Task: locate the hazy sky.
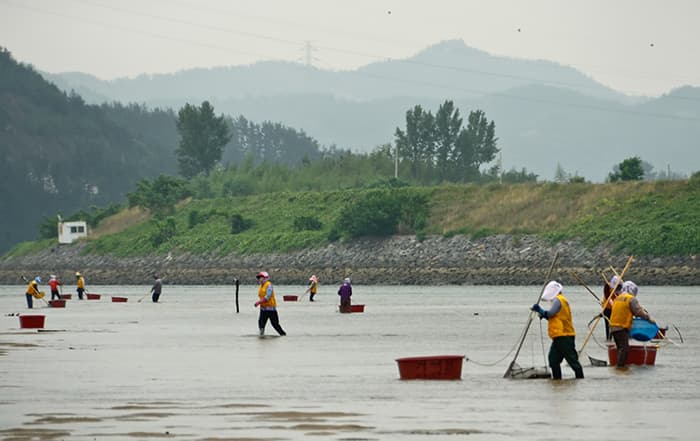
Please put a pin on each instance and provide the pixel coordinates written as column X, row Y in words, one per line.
column 635, row 46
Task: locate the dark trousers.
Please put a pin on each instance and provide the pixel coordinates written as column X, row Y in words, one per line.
column 80, row 293
column 606, row 319
column 30, row 301
column 266, row 314
column 564, row 348
column 155, row 297
column 345, row 305
column 622, row 342
column 55, row 294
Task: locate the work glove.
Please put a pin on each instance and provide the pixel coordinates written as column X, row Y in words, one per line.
column 257, row 303
column 538, row 309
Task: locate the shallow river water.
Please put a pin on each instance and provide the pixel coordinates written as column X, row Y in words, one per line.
column 191, row 368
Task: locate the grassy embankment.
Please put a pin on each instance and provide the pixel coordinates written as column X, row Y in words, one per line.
column 644, row 218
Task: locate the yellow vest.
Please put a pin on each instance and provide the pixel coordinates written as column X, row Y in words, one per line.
column 33, row 288
column 81, row 282
column 621, row 315
column 561, row 324
column 313, row 288
column 262, row 291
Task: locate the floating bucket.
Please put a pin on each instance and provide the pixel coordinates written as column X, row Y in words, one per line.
column 119, row 299
column 66, row 296
column 357, row 308
column 641, row 355
column 437, row 367
column 290, row 298
column 93, row 296
column 57, row 303
column 31, row 321
column 643, row 330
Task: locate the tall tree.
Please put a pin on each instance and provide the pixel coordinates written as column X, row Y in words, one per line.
column 476, row 145
column 203, row 136
column 628, row 170
column 448, row 123
column 417, row 143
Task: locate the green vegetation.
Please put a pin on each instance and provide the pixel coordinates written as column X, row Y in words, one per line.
column 628, row 170
column 61, row 154
column 662, row 221
column 641, row 218
column 203, row 136
column 159, row 196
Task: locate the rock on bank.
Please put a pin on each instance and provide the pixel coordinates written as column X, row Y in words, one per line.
column 436, row 260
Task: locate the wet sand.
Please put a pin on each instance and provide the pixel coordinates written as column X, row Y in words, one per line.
column 190, row 368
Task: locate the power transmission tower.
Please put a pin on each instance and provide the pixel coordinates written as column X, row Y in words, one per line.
column 308, row 57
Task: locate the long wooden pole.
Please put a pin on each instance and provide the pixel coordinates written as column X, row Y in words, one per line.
column 582, row 283
column 597, row 319
column 530, row 317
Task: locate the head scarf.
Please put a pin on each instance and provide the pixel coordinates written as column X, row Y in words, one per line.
column 551, row 290
column 346, row 280
column 630, row 287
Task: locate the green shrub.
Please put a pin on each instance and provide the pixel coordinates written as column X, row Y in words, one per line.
column 239, row 224
column 160, row 195
column 694, row 180
column 165, row 230
column 307, row 223
column 381, row 212
column 483, row 232
column 194, row 218
column 238, row 187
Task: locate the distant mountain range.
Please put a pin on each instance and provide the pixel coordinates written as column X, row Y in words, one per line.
column 545, row 113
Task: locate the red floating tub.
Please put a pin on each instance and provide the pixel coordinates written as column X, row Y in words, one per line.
column 93, row 296
column 66, row 296
column 290, row 298
column 119, row 299
column 641, row 355
column 57, row 303
column 436, row 367
column 31, row 321
column 357, row 308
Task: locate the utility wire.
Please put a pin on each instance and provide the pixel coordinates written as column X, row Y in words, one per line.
column 227, row 49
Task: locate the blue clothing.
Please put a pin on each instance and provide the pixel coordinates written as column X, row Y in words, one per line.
column 556, row 307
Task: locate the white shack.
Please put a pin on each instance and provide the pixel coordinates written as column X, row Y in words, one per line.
column 71, row 231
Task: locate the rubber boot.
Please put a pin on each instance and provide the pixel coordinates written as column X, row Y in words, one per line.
column 579, row 372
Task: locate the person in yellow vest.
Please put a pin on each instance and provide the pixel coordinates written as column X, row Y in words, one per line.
column 268, row 304
column 561, row 330
column 313, row 287
column 32, row 290
column 624, row 308
column 80, row 283
column 611, row 290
